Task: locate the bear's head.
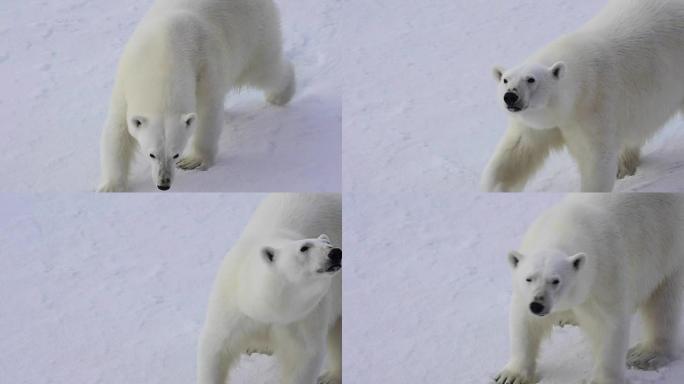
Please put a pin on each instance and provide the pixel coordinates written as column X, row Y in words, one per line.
column 526, row 92
column 162, row 140
column 303, row 261
column 550, row 281
column 287, row 278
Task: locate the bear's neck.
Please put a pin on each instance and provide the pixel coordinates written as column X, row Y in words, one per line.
column 271, row 299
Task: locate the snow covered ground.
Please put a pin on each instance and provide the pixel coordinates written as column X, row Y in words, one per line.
column 420, row 110
column 113, row 289
column 427, row 290
column 57, row 65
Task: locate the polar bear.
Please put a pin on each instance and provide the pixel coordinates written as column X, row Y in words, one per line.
column 602, row 92
column 279, row 291
column 176, row 69
column 593, row 260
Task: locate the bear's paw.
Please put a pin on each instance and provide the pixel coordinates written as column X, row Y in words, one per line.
column 259, row 351
column 646, row 357
column 330, row 378
column 191, row 162
column 111, row 187
column 512, row 377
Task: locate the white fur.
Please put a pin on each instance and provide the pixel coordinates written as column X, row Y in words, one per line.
column 176, row 69
column 593, row 260
column 621, row 78
column 288, row 307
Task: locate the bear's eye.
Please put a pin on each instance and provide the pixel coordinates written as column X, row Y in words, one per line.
column 555, row 281
column 175, row 156
column 305, row 248
column 505, row 81
column 529, row 279
column 153, row 156
column 531, row 80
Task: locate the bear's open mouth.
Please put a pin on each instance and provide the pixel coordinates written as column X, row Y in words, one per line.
column 514, row 109
column 331, row 268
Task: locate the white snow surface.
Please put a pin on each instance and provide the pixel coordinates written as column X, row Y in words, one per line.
column 113, row 289
column 426, row 294
column 57, row 68
column 420, row 109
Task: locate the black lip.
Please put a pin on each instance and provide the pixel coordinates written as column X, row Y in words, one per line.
column 541, row 314
column 334, row 268
column 514, row 109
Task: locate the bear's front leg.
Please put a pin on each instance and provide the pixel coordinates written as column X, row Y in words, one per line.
column 527, row 333
column 610, row 342
column 300, row 350
column 598, row 171
column 333, row 375
column 220, row 345
column 204, row 143
column 116, row 153
column 660, row 315
column 214, row 359
column 596, row 155
column 518, row 156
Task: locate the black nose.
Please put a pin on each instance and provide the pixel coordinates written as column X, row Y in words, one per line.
column 510, row 98
column 536, row 308
column 335, row 255
column 164, row 187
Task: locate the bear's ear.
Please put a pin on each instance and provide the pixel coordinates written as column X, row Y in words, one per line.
column 138, row 121
column 578, row 261
column 558, row 70
column 514, row 258
column 324, row 237
column 268, row 254
column 498, row 73
column 189, row 119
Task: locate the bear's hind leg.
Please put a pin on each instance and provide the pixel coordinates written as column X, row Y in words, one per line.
column 333, row 375
column 286, row 86
column 629, row 161
column 660, row 315
column 277, row 80
column 519, row 154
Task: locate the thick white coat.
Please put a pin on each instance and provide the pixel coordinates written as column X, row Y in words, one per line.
column 621, row 79
column 286, row 308
column 593, row 260
column 175, row 71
